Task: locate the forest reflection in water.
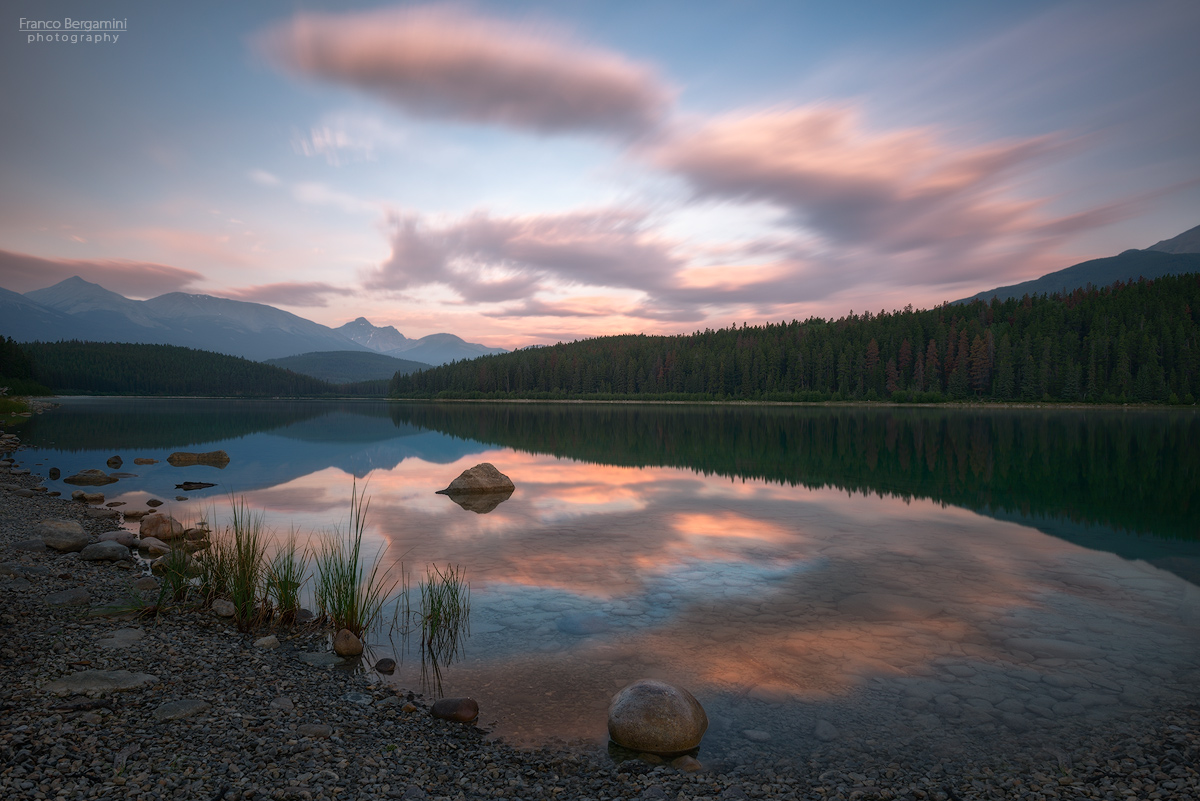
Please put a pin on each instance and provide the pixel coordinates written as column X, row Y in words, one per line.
column 787, row 565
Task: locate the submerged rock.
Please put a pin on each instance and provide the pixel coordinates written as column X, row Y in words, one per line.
column 115, row 462
column 461, row 710
column 655, row 717
column 90, row 478
column 145, row 461
column 482, row 477
column 211, row 458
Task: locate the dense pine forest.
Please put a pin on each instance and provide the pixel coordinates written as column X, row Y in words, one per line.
column 16, row 370
column 112, row 368
column 1130, row 342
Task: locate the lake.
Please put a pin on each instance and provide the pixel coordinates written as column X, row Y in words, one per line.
column 907, row 580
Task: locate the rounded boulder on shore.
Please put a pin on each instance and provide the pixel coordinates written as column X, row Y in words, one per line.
column 657, row 718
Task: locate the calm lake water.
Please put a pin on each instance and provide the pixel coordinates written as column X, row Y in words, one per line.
column 921, row 579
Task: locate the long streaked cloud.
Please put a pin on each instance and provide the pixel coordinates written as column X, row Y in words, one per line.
column 288, row 293
column 894, row 191
column 22, row 272
column 452, row 64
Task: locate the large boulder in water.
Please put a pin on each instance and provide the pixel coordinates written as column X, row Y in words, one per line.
column 655, row 717
column 211, row 458
column 479, row 479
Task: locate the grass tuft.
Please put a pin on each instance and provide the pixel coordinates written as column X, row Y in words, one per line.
column 247, row 566
column 350, row 595
column 286, row 574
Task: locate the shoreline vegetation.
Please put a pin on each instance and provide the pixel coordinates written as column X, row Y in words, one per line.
column 215, row 713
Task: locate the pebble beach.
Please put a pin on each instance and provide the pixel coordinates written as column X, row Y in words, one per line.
column 206, row 712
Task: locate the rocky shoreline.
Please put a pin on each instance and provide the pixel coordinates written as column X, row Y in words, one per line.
column 218, row 716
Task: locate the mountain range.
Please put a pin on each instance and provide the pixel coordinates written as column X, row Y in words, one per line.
column 79, row 309
column 1175, row 256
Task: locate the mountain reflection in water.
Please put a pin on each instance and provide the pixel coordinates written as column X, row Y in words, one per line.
column 884, row 570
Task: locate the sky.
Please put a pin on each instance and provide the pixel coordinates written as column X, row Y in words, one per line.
column 530, row 172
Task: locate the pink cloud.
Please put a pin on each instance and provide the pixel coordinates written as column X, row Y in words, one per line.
column 138, row 279
column 449, row 63
column 895, row 192
column 486, row 258
column 288, row 293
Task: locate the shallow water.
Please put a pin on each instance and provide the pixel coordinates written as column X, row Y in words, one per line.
column 789, row 567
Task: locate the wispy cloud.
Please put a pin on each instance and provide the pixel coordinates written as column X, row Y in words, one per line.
column 288, row 293
column 136, row 279
column 348, row 138
column 449, row 63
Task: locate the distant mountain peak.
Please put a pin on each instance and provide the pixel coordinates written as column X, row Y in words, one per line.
column 378, row 338
column 1187, row 242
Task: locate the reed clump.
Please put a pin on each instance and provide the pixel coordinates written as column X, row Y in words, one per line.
column 285, row 576
column 349, row 594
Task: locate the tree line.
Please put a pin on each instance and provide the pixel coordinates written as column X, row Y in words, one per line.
column 120, row 368
column 1128, row 342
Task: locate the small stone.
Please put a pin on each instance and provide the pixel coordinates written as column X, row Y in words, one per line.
column 756, row 735
column 319, row 660
column 223, row 608
column 108, row 551
column 102, row 514
column 121, row 638
column 115, row 462
column 361, row 699
column 153, row 545
column 413, row 793
column 35, row 545
column 284, row 703
column 181, row 497
column 145, row 461
column 461, row 710
column 177, row 710
column 54, row 474
column 409, row 708
column 74, row 597
column 269, row 642
column 825, row 731
column 126, row 538
column 100, row 681
column 146, row 584
column 345, row 643
column 386, row 665
column 688, row 764
column 319, row 731
column 154, row 502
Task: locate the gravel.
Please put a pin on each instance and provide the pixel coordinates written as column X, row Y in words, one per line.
column 228, row 718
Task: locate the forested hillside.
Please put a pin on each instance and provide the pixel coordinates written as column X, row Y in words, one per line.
column 1134, row 342
column 16, row 370
column 112, row 368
